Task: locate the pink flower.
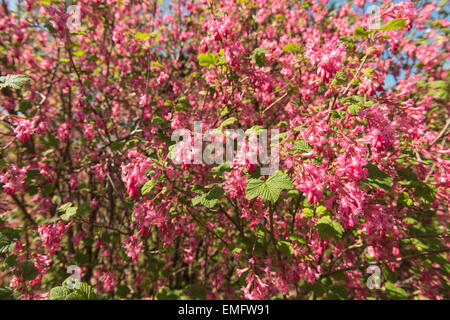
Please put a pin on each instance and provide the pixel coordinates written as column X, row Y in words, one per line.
column 328, row 59
column 24, row 129
column 89, row 131
column 64, row 131
column 133, row 174
column 51, row 235
column 133, row 246
column 109, row 281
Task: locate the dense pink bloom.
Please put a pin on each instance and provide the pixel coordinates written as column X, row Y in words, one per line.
column 363, row 158
column 133, row 246
column 51, row 235
column 109, row 281
column 328, row 59
column 24, row 129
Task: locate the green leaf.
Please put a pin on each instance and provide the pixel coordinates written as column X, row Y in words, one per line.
column 298, row 238
column 352, row 100
column 394, row 24
column 338, row 114
column 308, row 212
column 15, row 81
column 24, row 106
column 221, row 169
column 212, row 197
column 329, row 228
column 319, row 287
column 32, row 190
column 292, row 47
column 270, row 189
column 147, row 187
column 321, row 210
column 75, row 295
column 122, row 291
column 6, row 293
column 444, row 265
column 228, row 122
column 69, row 213
column 259, row 56
column 79, row 53
column 28, row 270
column 51, row 141
column 337, row 292
column 404, row 200
column 11, row 260
column 64, row 207
column 87, row 291
column 253, row 130
column 360, row 32
column 285, row 247
column 377, row 178
column 389, row 275
column 407, row 174
column 157, row 63
column 198, row 200
column 198, row 293
column 353, row 109
column 7, row 242
column 300, row 146
column 84, row 292
column 394, row 292
column 58, row 293
column 426, row 192
column 144, row 36
column 84, row 209
column 50, row 27
column 220, row 231
column 170, row 294
column 209, row 199
column 258, row 187
column 280, row 180
column 207, row 59
column 117, row 145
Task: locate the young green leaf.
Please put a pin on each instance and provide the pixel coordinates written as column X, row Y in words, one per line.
column 394, row 24
column 377, row 178
column 13, row 81
column 329, row 228
column 207, row 59
column 147, row 187
column 360, row 32
column 259, row 56
column 292, row 47
column 270, row 189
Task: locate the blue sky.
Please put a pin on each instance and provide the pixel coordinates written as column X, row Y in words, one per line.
column 389, row 81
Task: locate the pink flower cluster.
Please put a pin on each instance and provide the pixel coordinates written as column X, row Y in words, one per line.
column 51, row 234
column 24, row 128
column 134, row 172
column 329, row 58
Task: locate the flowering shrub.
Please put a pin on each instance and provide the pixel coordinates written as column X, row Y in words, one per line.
column 88, row 179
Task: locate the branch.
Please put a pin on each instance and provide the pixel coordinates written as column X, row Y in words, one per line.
column 24, row 209
column 442, row 133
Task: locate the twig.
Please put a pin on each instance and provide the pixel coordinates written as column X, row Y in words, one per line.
column 433, row 167
column 442, row 133
column 276, row 101
column 346, row 88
